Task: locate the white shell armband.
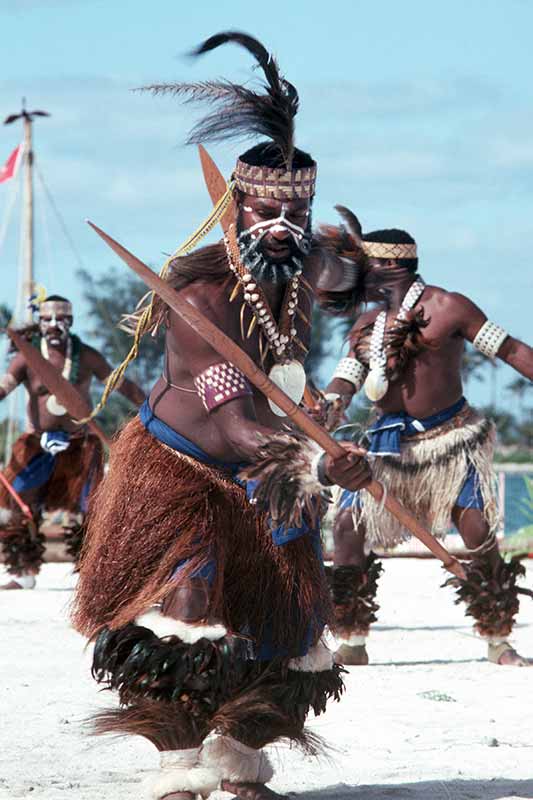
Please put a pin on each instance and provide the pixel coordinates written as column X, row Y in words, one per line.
column 350, row 369
column 489, row 339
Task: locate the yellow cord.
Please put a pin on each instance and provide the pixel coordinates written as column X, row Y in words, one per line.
column 145, row 319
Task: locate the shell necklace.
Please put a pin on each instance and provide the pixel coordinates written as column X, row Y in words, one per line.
column 377, row 383
column 287, row 372
column 52, row 405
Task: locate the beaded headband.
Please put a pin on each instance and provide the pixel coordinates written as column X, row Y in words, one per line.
column 56, row 307
column 386, row 250
column 279, row 183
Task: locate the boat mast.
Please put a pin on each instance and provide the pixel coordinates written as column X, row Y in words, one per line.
column 27, row 277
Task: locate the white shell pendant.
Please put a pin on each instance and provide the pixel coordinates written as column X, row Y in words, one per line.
column 54, row 407
column 290, row 378
column 376, row 384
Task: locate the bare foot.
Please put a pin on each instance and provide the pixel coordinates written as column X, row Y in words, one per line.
column 11, row 585
column 352, row 655
column 251, row 791
column 505, row 655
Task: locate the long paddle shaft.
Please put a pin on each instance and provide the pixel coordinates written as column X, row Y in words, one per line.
column 231, row 351
column 16, row 497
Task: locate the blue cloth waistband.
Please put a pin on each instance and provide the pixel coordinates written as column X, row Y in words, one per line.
column 386, row 434
column 164, row 433
column 39, row 470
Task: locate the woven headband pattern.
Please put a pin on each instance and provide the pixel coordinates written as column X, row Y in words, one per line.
column 386, row 250
column 281, row 184
column 56, row 307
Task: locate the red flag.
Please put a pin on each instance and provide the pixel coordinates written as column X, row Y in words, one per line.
column 10, row 167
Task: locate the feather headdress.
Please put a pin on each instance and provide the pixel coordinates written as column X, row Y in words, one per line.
column 274, row 168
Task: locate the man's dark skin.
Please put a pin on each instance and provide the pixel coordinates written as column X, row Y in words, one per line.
column 230, row 432
column 430, row 383
column 92, row 364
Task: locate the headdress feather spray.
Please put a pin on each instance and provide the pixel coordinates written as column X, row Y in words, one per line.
column 239, row 111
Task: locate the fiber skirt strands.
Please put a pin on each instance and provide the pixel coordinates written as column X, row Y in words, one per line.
column 428, row 477
column 73, row 468
column 156, row 508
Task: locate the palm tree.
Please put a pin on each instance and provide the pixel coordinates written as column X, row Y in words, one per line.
column 519, row 388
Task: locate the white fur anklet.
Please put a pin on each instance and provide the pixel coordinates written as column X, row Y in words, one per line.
column 235, row 761
column 24, row 581
column 318, row 659
column 354, row 640
column 180, row 772
column 6, row 516
column 495, row 640
column 188, row 632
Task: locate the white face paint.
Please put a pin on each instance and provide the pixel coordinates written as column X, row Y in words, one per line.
column 55, row 329
column 276, row 225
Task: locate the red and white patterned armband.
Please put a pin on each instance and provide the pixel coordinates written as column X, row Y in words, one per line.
column 221, row 383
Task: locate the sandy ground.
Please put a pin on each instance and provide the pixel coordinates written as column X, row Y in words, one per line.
column 428, row 719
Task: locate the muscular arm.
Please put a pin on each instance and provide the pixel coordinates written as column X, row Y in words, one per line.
column 14, row 375
column 346, row 388
column 512, row 351
column 102, row 370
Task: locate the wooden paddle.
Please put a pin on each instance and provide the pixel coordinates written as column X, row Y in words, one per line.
column 67, row 394
column 231, row 351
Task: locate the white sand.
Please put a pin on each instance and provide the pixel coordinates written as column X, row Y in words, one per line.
column 428, row 719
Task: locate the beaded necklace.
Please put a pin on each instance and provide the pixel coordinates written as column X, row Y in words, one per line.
column 377, row 383
column 287, row 372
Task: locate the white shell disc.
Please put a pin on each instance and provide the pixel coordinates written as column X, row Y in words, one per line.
column 376, row 384
column 290, row 378
column 54, row 407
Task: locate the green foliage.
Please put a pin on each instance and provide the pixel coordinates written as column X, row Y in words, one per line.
column 327, row 336
column 473, row 364
column 522, row 541
column 6, row 315
column 107, row 299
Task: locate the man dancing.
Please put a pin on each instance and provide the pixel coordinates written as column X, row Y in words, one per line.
column 428, row 446
column 57, row 463
column 207, row 614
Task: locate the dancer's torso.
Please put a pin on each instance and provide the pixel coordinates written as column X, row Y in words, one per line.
column 431, row 379
column 182, row 408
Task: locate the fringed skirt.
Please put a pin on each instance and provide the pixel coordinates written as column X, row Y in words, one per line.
column 429, row 476
column 76, row 471
column 158, row 508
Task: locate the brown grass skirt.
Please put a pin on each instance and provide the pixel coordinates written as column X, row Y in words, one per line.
column 72, row 469
column 157, row 507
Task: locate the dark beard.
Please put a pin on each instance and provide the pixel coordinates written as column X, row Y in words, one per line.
column 265, row 269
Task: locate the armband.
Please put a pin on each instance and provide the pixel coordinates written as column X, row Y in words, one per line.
column 221, row 383
column 489, row 339
column 8, row 383
column 350, row 369
column 318, row 469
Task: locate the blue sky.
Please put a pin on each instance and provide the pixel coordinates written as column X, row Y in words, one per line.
column 419, row 115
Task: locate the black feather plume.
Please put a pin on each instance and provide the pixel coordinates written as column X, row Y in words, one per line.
column 354, row 226
column 238, row 111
